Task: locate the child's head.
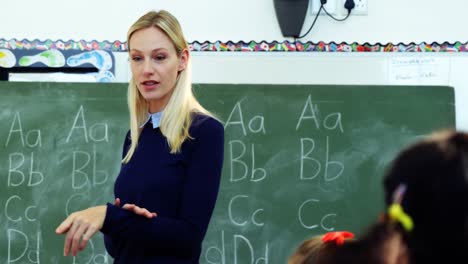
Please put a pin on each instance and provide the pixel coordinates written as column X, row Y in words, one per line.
column 435, row 175
column 306, row 251
column 317, row 248
column 382, row 243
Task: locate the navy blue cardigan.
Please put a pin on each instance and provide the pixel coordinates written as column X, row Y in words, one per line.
column 181, row 188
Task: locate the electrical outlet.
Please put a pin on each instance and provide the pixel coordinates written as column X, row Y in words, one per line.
column 360, row 8
column 330, row 6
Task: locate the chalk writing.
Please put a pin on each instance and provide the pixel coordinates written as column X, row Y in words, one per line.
column 256, row 175
column 256, row 124
column 31, row 139
column 80, row 178
column 331, row 121
column 27, row 211
column 18, row 240
column 254, row 216
column 97, row 132
column 311, row 224
column 240, row 245
column 15, row 170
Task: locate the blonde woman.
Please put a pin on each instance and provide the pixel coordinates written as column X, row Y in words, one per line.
column 172, row 158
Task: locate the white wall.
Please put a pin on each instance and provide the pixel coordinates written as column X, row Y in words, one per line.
column 388, row 20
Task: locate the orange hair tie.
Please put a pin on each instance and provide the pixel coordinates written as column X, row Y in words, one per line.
column 338, row 237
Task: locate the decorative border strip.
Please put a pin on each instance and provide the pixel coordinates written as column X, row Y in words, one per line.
column 287, row 46
column 80, row 45
column 252, row 46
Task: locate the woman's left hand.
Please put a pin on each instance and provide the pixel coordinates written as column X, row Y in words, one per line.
column 136, row 209
column 80, row 227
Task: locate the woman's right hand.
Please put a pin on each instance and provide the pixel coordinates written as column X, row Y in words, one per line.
column 80, row 227
column 136, row 209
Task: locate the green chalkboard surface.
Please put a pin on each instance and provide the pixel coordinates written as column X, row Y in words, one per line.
column 300, row 160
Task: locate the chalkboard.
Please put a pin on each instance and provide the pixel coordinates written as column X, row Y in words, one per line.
column 300, row 160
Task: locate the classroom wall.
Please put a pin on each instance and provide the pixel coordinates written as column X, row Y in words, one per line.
column 387, row 21
column 244, row 20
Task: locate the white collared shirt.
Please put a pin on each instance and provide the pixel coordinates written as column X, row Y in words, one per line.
column 155, row 119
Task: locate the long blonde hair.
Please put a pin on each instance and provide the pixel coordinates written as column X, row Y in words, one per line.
column 176, row 118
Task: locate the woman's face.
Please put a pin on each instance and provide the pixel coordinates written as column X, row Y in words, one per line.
column 155, row 66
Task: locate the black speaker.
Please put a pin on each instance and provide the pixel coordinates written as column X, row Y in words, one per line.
column 291, row 15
